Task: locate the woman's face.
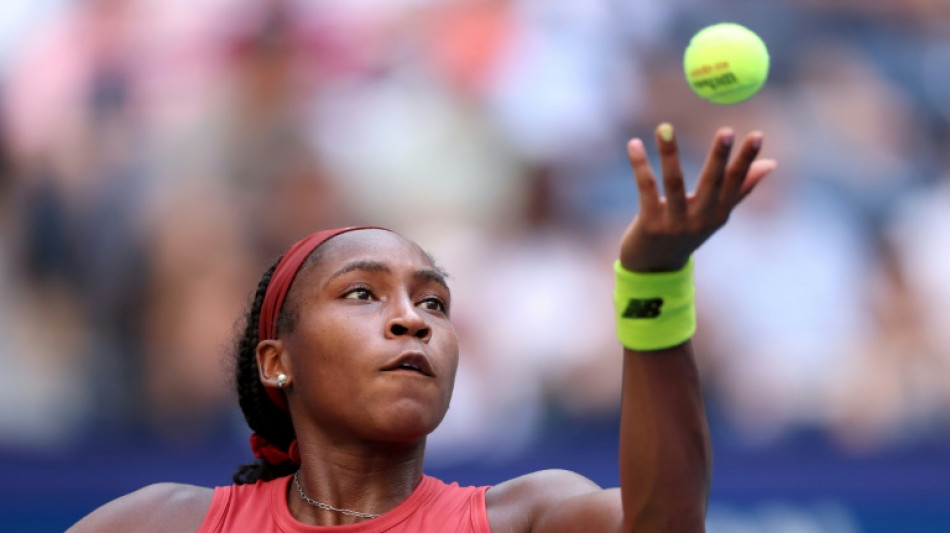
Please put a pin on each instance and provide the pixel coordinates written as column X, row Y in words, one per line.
column 372, row 353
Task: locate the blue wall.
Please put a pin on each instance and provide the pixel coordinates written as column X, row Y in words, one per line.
column 801, row 478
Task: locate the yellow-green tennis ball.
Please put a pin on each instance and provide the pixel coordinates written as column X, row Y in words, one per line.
column 726, row 63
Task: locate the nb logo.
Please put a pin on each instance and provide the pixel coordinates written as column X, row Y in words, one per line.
column 648, row 308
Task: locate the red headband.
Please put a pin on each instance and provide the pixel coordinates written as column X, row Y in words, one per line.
column 280, row 282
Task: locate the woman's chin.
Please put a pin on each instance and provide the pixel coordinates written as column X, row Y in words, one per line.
column 408, row 425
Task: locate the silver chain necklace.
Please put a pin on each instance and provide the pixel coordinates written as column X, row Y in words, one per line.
column 326, row 506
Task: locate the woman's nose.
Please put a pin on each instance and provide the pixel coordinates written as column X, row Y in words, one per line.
column 407, row 320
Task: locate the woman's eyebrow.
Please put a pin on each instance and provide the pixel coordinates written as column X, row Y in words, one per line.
column 425, row 274
column 369, row 266
column 428, row 274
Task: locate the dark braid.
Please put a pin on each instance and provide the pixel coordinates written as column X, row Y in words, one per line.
column 263, row 417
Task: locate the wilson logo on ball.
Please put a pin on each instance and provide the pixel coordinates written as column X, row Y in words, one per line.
column 716, row 82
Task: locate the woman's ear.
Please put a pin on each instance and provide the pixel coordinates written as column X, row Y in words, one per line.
column 271, row 364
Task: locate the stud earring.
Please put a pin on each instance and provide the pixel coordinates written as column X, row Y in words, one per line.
column 282, row 380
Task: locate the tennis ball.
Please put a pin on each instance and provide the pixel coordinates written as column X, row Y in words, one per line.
column 726, row 63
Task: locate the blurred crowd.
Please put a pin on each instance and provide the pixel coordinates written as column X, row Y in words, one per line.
column 156, row 156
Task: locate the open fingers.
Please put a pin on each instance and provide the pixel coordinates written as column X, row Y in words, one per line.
column 646, row 182
column 673, row 184
column 722, row 184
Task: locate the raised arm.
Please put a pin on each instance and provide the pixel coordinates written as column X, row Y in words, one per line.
column 665, row 456
column 665, row 453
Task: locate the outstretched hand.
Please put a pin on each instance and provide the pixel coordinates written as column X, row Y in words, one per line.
column 667, row 230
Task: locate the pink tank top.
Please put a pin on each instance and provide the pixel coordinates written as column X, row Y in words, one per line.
column 433, row 506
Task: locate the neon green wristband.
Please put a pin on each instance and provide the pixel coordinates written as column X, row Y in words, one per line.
column 655, row 310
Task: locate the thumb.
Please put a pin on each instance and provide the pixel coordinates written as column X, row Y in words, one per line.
column 757, row 172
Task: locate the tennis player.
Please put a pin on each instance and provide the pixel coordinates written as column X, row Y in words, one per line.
column 348, row 360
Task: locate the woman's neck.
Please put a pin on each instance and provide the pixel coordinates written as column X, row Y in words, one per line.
column 369, row 479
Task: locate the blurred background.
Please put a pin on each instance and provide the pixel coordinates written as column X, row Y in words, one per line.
column 156, row 156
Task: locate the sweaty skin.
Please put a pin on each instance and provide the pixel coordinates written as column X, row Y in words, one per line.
column 374, row 297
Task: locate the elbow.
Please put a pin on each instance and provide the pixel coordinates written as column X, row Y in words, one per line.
column 668, row 519
column 675, row 503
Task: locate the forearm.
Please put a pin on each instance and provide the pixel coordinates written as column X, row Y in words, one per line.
column 665, row 452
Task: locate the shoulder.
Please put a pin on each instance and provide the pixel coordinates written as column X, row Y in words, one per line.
column 541, row 485
column 155, row 508
column 552, row 501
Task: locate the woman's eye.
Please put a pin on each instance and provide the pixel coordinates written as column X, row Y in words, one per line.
column 433, row 304
column 358, row 294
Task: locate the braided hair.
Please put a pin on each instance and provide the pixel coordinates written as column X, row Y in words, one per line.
column 263, row 417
